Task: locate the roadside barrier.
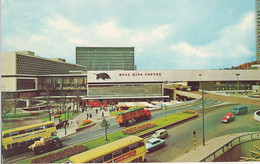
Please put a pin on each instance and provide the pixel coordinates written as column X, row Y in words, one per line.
column 230, row 144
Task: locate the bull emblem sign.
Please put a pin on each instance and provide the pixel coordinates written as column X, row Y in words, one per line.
column 102, row 76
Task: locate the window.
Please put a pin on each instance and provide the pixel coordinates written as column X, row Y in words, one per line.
column 50, row 125
column 22, row 132
column 14, row 133
column 140, row 144
column 15, row 145
column 98, row 160
column 23, row 144
column 116, row 153
column 125, row 150
column 36, row 128
column 132, row 147
column 107, row 157
column 6, row 135
column 28, row 130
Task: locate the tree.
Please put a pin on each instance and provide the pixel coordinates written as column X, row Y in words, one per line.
column 105, row 125
column 48, row 88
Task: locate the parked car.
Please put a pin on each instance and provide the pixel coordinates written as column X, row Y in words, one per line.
column 162, row 133
column 154, row 143
column 228, row 117
column 242, row 109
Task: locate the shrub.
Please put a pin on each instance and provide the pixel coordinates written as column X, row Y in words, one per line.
column 56, row 116
column 60, row 112
column 34, row 113
column 86, row 121
column 60, row 154
column 138, row 128
column 189, row 111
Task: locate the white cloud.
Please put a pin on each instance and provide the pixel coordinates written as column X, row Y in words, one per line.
column 230, row 49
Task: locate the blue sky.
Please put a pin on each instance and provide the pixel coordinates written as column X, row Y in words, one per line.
column 166, row 34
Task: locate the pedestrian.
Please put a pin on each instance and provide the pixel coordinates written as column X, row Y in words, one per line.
column 96, row 111
column 90, row 115
column 103, row 113
column 87, row 115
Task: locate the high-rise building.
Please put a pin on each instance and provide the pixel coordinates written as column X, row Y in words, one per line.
column 257, row 12
column 106, row 58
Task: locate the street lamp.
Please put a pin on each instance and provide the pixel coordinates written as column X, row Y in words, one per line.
column 202, row 101
column 237, row 88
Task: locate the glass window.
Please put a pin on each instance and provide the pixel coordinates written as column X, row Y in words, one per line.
column 6, row 135
column 140, row 144
column 36, row 128
column 14, row 133
column 22, row 132
column 116, row 153
column 132, row 147
column 50, row 125
column 98, row 160
column 28, row 130
column 125, row 150
column 15, row 145
column 107, row 157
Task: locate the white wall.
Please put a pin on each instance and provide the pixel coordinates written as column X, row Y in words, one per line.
column 8, row 63
column 8, row 84
column 176, row 75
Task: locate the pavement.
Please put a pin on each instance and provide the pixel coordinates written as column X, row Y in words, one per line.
column 203, row 151
column 73, row 123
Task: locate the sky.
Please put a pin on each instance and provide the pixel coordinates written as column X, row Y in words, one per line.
column 166, row 34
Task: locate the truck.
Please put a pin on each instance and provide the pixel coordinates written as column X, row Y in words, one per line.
column 46, row 145
column 130, row 116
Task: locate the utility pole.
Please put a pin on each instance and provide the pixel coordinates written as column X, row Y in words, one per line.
column 202, row 104
column 237, row 88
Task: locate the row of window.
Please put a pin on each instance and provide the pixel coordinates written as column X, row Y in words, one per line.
column 27, row 130
column 23, row 143
column 118, row 153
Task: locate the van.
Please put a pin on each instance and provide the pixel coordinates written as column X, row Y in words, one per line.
column 162, row 133
column 242, row 109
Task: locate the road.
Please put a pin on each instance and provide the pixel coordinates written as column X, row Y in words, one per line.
column 179, row 141
column 180, row 138
column 97, row 131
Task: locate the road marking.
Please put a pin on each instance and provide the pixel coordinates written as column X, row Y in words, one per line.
column 18, row 159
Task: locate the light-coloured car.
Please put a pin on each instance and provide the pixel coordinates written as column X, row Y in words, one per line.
column 162, row 133
column 154, row 143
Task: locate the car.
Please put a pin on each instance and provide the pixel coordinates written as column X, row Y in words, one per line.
column 154, row 143
column 228, row 117
column 242, row 109
column 162, row 133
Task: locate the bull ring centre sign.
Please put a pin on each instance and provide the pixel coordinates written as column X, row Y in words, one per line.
column 124, row 76
column 139, row 74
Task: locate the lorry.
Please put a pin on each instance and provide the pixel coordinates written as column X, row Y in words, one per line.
column 133, row 115
column 46, row 145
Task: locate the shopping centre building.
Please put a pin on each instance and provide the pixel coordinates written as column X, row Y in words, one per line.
column 25, row 75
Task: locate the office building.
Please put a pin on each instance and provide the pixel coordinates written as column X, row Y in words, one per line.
column 106, row 58
column 257, row 12
column 23, row 75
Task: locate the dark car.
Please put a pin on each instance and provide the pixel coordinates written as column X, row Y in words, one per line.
column 228, row 117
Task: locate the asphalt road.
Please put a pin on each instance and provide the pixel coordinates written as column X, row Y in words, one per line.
column 97, row 131
column 180, row 138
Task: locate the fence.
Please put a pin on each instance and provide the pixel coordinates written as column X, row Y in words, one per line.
column 230, row 144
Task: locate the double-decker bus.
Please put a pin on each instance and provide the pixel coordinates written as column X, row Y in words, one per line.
column 128, row 149
column 18, row 139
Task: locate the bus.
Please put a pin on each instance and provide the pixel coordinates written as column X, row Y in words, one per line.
column 128, row 149
column 18, row 139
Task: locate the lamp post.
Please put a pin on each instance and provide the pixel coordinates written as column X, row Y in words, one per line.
column 237, row 88
column 202, row 104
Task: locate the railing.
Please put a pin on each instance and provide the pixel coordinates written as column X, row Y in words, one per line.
column 230, row 144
